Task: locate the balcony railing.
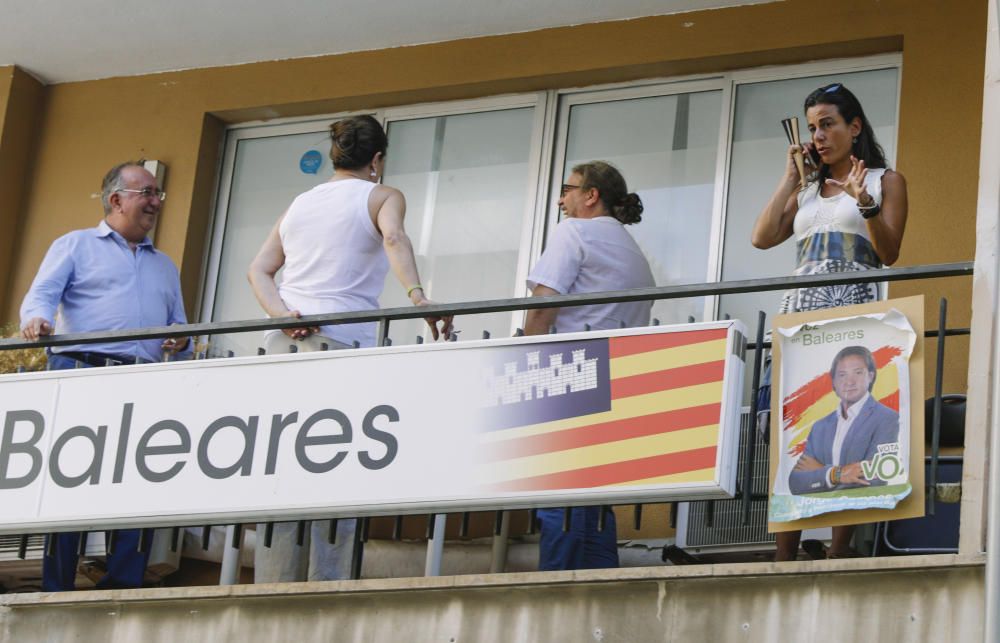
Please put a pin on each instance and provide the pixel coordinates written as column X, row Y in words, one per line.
column 748, row 484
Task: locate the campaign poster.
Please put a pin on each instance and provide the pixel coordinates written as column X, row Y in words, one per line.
column 847, row 414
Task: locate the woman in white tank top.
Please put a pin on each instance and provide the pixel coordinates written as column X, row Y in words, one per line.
column 850, row 216
column 336, row 243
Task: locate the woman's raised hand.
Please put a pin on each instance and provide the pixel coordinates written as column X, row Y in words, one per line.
column 854, row 184
column 791, row 170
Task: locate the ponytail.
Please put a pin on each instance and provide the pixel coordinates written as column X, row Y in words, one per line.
column 610, row 185
column 630, row 209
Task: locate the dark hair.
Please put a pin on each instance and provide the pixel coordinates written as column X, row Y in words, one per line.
column 356, row 141
column 610, row 185
column 861, row 352
column 865, row 147
column 113, row 182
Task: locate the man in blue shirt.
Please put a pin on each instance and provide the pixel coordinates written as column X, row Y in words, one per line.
column 107, row 278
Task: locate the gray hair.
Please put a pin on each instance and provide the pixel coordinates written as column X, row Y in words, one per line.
column 113, row 182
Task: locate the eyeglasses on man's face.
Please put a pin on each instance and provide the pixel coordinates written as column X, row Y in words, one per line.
column 566, row 187
column 147, row 193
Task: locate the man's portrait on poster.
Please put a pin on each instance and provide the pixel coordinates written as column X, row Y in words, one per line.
column 841, row 444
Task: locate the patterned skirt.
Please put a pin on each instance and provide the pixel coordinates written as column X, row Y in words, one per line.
column 832, row 252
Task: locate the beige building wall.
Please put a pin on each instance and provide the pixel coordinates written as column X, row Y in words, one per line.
column 179, row 117
column 21, row 101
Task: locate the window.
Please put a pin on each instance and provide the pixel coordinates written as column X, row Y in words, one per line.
column 262, row 166
column 467, row 178
column 482, row 178
column 757, row 159
column 667, row 147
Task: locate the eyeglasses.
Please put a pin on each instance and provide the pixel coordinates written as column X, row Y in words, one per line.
column 147, row 193
column 566, row 187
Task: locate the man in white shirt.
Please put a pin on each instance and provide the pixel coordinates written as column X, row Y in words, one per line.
column 839, row 443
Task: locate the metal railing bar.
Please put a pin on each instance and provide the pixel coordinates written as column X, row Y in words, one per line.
column 957, row 269
column 758, row 362
column 936, row 419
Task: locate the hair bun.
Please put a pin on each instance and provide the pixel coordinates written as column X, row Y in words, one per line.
column 345, row 139
column 355, row 141
column 631, row 209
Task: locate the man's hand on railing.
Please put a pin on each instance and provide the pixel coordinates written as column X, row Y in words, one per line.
column 35, row 328
column 175, row 344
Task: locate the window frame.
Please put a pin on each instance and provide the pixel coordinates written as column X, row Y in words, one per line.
column 789, row 72
column 596, row 95
column 537, row 100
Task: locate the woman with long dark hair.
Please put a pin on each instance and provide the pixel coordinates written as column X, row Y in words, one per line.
column 850, row 216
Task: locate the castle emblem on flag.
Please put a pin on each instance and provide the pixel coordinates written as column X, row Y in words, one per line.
column 515, row 386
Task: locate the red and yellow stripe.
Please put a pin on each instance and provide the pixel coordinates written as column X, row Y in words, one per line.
column 662, row 427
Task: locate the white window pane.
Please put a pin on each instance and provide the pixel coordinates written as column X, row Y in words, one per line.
column 758, row 161
column 465, row 178
column 266, row 177
column 666, row 148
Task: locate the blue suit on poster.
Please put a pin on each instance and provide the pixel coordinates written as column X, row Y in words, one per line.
column 875, row 424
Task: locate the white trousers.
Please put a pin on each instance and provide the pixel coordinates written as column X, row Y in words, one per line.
column 316, row 559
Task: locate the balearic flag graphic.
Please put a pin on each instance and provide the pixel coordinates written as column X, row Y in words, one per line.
column 661, row 423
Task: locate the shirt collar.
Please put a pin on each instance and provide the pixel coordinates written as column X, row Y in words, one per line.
column 104, row 230
column 854, row 409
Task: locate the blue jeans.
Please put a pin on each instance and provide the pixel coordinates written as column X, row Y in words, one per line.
column 126, row 565
column 582, row 546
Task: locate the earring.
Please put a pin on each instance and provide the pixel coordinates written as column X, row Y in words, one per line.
column 855, row 140
column 373, row 171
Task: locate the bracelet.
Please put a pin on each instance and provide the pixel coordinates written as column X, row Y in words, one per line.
column 409, row 291
column 835, row 476
column 870, row 211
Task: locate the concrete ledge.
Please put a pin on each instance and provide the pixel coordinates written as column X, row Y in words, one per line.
column 919, row 598
column 494, row 581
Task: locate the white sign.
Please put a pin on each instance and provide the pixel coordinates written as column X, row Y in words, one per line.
column 635, row 415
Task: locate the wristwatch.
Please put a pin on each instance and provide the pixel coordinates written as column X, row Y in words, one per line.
column 869, row 211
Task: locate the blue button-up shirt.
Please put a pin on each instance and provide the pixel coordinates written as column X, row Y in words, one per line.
column 102, row 285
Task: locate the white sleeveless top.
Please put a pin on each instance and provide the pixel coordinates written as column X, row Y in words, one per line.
column 832, row 236
column 837, row 213
column 334, row 260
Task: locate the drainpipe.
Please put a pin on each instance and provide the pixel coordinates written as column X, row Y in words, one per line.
column 991, row 101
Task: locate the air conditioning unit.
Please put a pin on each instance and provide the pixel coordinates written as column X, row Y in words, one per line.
column 716, row 526
column 24, row 575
